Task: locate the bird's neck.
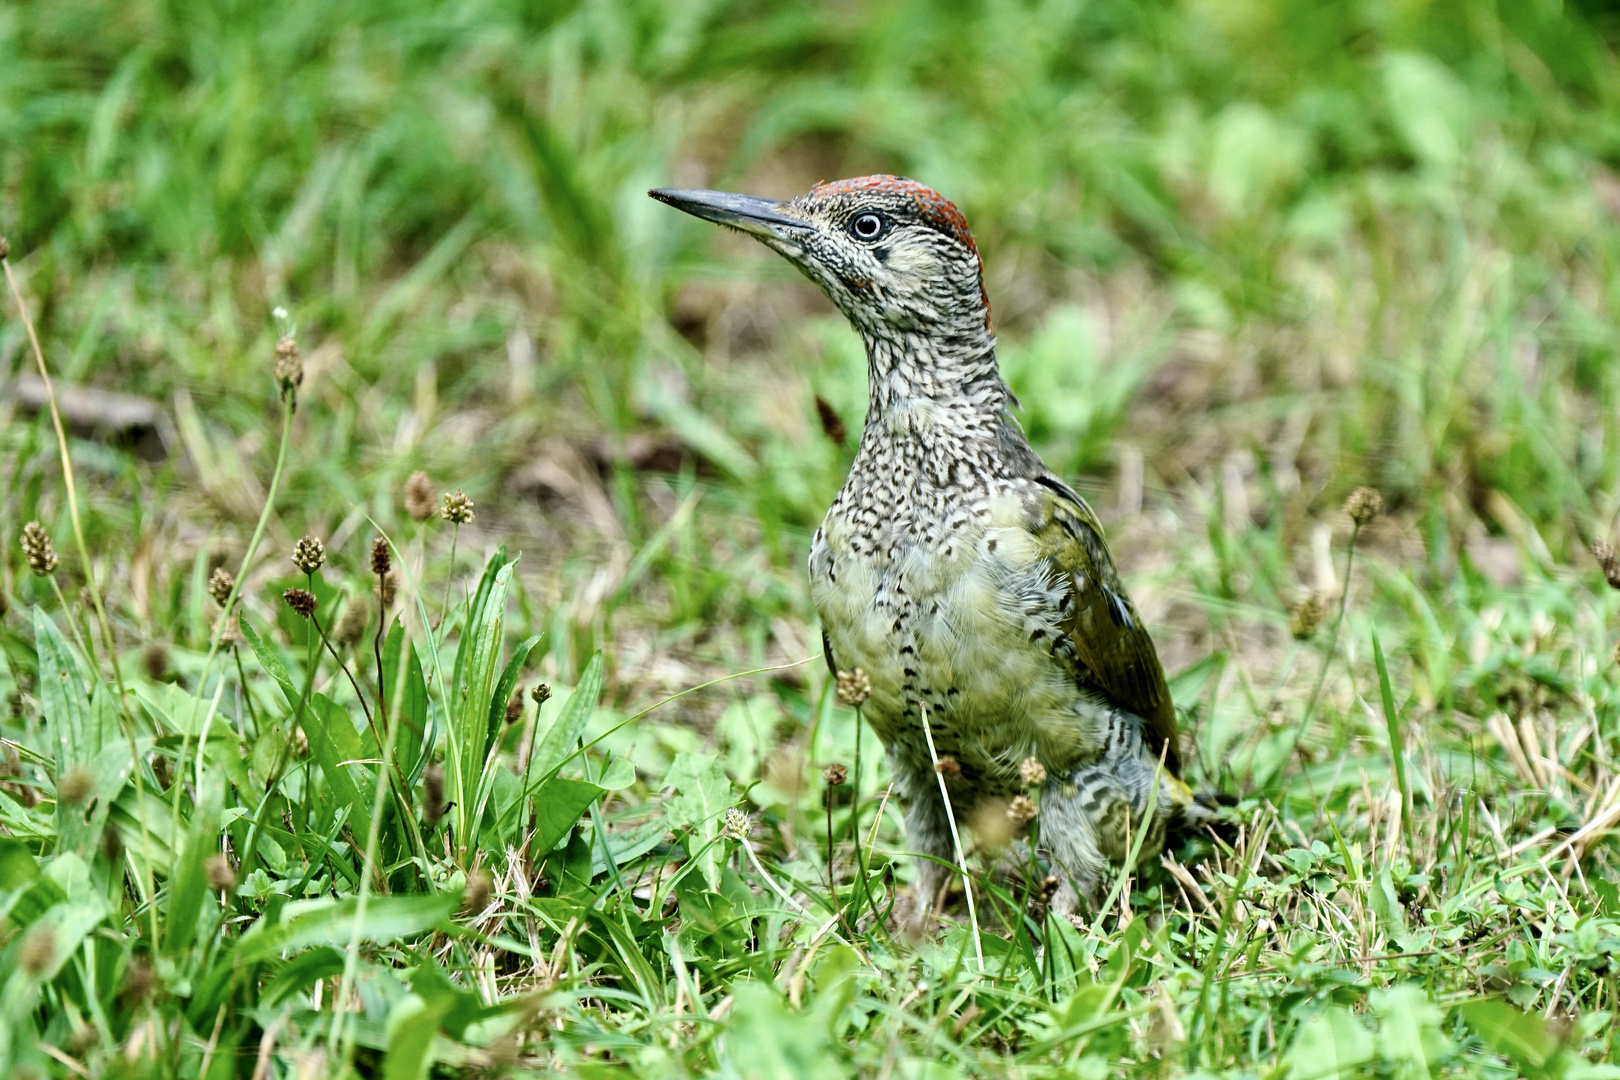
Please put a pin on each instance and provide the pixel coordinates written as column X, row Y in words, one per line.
column 927, row 386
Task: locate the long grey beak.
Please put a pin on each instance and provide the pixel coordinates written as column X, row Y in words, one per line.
column 751, row 214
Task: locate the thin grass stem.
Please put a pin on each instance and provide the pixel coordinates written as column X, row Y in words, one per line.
column 956, row 841
column 72, row 490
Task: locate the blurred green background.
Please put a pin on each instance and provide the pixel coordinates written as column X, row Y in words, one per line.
column 1243, row 257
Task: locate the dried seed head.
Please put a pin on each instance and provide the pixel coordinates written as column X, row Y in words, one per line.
column 5, row 248
column 38, row 549
column 735, row 826
column 1609, row 560
column 289, row 365
column 351, row 625
column 1022, row 810
column 231, row 632
column 112, row 844
column 221, row 877
column 156, row 661
column 831, row 423
column 1363, row 505
column 948, row 767
column 139, row 980
column 432, row 795
column 836, row 775
column 514, row 708
column 541, row 693
column 1032, row 772
column 301, row 600
column 475, row 898
column 300, row 745
column 220, row 584
column 1041, row 903
column 309, row 554
column 457, row 508
column 38, row 952
column 854, row 687
column 381, row 563
column 419, row 496
column 385, row 591
column 1305, row 617
column 75, row 786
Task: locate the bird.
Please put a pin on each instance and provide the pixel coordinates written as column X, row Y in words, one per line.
column 969, row 585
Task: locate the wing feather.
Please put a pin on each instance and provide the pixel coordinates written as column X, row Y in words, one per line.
column 1117, row 660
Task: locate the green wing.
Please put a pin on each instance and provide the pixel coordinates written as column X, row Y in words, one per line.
column 1117, row 661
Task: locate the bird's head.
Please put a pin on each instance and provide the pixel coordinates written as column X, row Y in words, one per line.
column 894, row 256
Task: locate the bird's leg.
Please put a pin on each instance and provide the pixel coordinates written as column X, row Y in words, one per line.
column 928, row 835
column 1071, row 809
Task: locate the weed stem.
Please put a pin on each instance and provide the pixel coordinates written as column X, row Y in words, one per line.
column 956, row 841
column 72, row 492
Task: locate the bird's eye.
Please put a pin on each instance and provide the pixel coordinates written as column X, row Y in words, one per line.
column 867, row 226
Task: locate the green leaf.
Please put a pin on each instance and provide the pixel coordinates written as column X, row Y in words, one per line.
column 331, row 922
column 1392, row 724
column 702, row 795
column 412, row 1024
column 416, row 735
column 459, row 1008
column 269, row 661
column 557, row 744
column 477, row 658
column 300, row 973
column 1331, row 1044
column 557, row 806
column 17, row 865
column 189, row 886
column 68, row 922
column 506, row 686
column 333, row 740
column 1520, row 1037
column 1409, row 1034
column 79, row 826
column 64, row 698
column 1387, row 906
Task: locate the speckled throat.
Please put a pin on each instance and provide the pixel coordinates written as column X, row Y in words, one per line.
column 923, row 577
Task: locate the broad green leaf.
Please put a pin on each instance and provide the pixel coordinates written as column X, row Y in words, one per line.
column 416, row 733
column 557, row 744
column 333, row 741
column 1521, row 1037
column 79, row 826
column 506, row 686
column 269, row 661
column 331, row 922
column 18, row 866
column 144, row 826
column 1386, row 904
column 557, row 806
column 477, row 660
column 412, row 1024
column 461, row 1008
column 1331, row 1044
column 1409, row 1036
column 64, row 697
column 300, row 973
column 702, row 795
column 68, row 922
column 618, row 775
column 189, row 886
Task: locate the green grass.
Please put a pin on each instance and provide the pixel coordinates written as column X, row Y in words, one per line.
column 1244, row 258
